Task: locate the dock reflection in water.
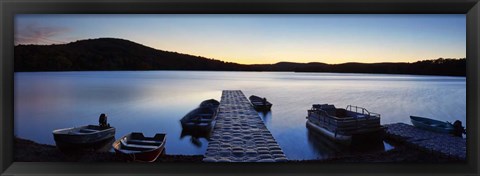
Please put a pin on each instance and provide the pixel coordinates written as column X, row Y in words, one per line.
column 266, row 117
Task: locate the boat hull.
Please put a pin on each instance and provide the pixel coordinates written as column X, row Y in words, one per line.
column 201, row 118
column 262, row 107
column 258, row 103
column 432, row 125
column 67, row 138
column 100, row 146
column 149, row 156
column 211, row 103
column 83, row 139
column 198, row 128
column 338, row 138
column 136, row 147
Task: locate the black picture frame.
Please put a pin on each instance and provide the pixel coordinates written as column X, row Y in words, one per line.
column 9, row 8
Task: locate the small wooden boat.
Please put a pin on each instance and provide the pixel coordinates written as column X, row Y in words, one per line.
column 83, row 136
column 260, row 104
column 342, row 125
column 137, row 147
column 432, row 125
column 212, row 103
column 201, row 118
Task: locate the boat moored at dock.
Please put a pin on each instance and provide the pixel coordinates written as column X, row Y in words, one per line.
column 432, row 125
column 260, row 104
column 343, row 125
column 202, row 117
column 211, row 103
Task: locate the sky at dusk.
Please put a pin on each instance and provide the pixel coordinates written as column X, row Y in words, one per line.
column 262, row 39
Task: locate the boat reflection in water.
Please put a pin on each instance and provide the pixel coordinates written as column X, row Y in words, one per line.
column 199, row 122
column 196, row 135
column 327, row 148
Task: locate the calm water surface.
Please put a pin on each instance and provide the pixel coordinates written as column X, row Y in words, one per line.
column 155, row 101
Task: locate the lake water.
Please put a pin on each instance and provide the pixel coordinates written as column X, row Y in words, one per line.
column 155, row 101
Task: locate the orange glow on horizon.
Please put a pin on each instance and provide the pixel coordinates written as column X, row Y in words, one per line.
column 244, row 57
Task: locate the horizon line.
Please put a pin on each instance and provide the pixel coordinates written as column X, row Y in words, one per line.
column 339, row 63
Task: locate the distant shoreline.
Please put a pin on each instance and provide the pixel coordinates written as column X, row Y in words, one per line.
column 118, row 54
column 230, row 71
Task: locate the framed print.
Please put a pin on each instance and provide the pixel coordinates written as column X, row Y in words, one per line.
column 225, row 87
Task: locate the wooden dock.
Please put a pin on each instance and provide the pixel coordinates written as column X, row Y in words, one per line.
column 444, row 144
column 239, row 134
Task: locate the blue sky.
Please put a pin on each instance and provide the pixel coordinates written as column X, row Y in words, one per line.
column 254, row 39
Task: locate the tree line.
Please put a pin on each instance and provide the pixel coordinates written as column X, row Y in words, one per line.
column 107, row 54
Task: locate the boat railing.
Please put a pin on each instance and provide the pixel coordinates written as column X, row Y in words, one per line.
column 362, row 110
column 346, row 125
column 324, row 113
column 323, row 116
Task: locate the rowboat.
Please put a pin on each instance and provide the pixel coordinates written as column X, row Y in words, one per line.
column 137, row 147
column 212, row 103
column 342, row 125
column 432, row 125
column 84, row 136
column 202, row 117
column 260, row 104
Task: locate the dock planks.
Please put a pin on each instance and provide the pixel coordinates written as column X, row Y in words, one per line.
column 239, row 134
column 444, row 144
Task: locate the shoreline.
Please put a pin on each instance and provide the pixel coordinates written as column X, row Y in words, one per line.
column 401, row 153
column 29, row 151
column 253, row 71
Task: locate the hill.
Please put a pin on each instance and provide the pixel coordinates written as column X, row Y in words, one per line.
column 441, row 66
column 109, row 54
column 118, row 54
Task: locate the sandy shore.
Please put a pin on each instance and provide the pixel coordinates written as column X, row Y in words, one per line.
column 29, row 151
